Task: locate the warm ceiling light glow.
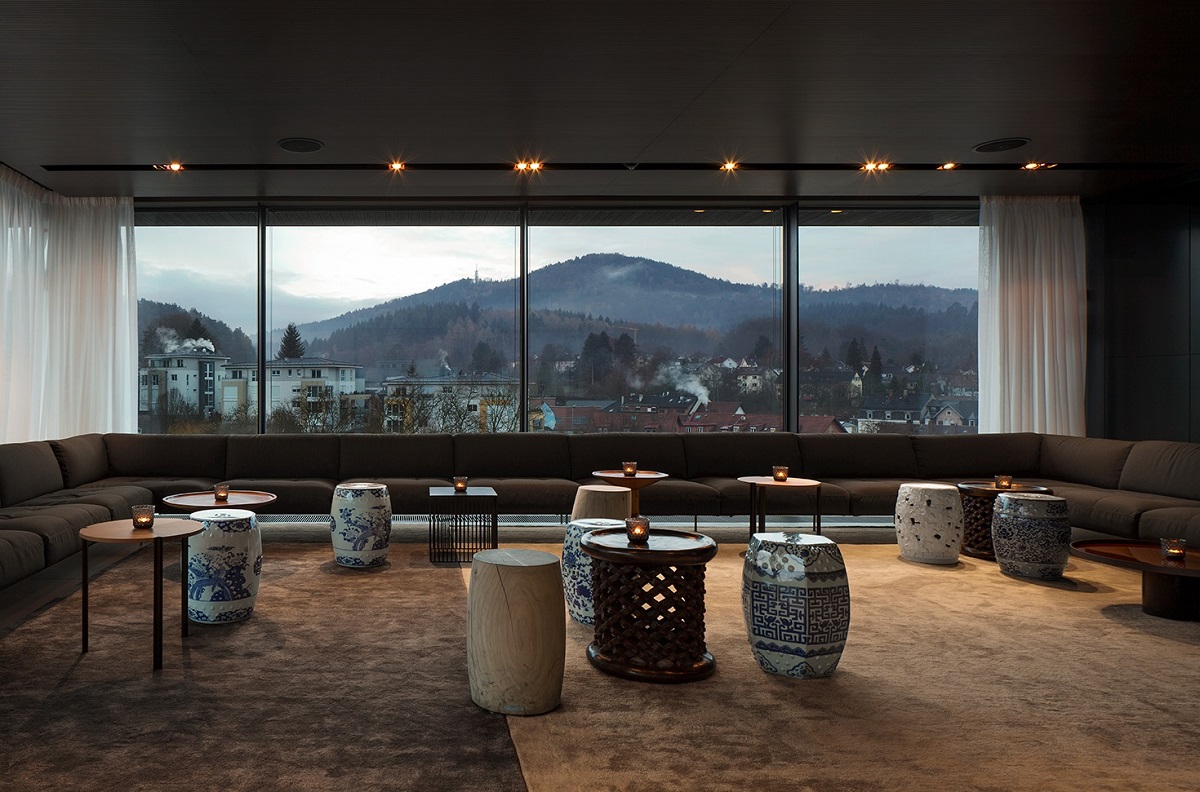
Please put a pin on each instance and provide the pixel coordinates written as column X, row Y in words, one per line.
column 836, row 211
column 527, row 167
column 397, row 166
column 729, row 166
column 698, row 211
column 875, row 167
column 948, row 166
column 174, row 167
column 768, row 211
column 1038, row 166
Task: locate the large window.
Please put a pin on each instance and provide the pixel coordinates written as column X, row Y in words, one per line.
column 655, row 321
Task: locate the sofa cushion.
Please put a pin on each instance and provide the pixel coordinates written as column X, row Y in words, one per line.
column 159, row 486
column 833, row 456
column 27, row 470
column 1163, row 468
column 530, row 495
column 512, row 455
column 115, row 501
column 1118, row 511
column 292, row 496
column 21, row 554
column 409, row 495
column 1171, row 523
column 1094, row 461
column 283, row 456
column 606, row 451
column 156, row 456
column 734, row 454
column 83, row 459
column 57, row 529
column 977, row 456
column 367, row 457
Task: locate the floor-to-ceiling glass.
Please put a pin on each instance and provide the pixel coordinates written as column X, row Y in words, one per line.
column 656, row 320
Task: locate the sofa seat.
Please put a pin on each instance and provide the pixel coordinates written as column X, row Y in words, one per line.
column 56, row 528
column 1180, row 521
column 21, row 554
column 527, row 495
column 869, row 496
column 292, row 495
column 672, row 496
column 735, row 498
column 1119, row 509
column 159, row 486
column 408, row 495
column 116, row 500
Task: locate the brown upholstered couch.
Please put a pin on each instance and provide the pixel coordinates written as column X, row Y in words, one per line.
column 49, row 490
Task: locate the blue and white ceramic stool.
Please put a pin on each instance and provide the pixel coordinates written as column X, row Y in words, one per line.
column 929, row 523
column 796, row 602
column 577, row 567
column 362, row 524
column 1031, row 534
column 224, row 566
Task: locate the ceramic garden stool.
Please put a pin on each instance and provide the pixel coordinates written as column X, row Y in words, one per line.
column 603, row 501
column 516, row 631
column 362, row 524
column 224, row 566
column 929, row 523
column 1031, row 534
column 577, row 567
column 796, row 603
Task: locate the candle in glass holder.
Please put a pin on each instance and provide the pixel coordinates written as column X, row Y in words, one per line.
column 779, row 472
column 638, row 530
column 1003, row 482
column 629, row 468
column 143, row 515
column 221, row 492
column 1173, row 549
column 460, row 483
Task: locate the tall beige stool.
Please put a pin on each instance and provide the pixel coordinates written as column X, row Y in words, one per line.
column 516, row 631
column 602, row 501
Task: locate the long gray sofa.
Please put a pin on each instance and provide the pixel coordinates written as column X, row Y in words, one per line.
column 51, row 489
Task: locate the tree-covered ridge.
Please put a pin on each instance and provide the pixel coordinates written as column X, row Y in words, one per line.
column 163, row 327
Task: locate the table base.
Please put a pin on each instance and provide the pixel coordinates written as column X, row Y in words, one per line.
column 1171, row 596
column 977, row 527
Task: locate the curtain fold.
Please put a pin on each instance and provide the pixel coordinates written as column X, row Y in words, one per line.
column 68, row 313
column 1032, row 315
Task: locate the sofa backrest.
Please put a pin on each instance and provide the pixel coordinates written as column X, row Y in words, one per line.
column 82, row 459
column 659, row 451
column 978, row 455
column 733, row 454
column 283, row 456
column 858, row 456
column 154, row 455
column 513, row 454
column 1094, row 461
column 396, row 456
column 27, row 470
column 1163, row 468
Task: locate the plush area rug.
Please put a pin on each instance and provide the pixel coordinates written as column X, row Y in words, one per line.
column 953, row 678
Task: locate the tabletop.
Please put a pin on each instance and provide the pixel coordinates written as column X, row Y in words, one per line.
column 208, row 500
column 120, row 531
column 666, row 547
column 771, row 481
column 1144, row 556
column 988, row 488
column 472, row 492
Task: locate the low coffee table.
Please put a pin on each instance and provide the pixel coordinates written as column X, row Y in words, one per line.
column 123, row 532
column 1170, row 589
column 978, row 498
column 238, row 499
column 643, row 478
column 649, row 603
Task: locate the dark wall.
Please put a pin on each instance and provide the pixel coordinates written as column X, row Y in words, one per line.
column 1144, row 320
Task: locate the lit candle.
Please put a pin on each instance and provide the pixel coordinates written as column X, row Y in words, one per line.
column 779, row 472
column 143, row 515
column 638, row 530
column 1003, row 482
column 221, row 492
column 1173, row 549
column 629, row 468
column 460, row 483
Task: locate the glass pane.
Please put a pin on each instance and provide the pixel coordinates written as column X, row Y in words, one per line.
column 196, row 315
column 660, row 321
column 392, row 322
column 889, row 326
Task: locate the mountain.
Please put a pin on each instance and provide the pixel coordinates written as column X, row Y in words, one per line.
column 162, row 324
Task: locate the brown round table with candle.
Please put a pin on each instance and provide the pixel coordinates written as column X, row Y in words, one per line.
column 643, row 478
column 649, row 603
column 1170, row 588
column 238, row 499
column 758, row 499
column 978, row 499
column 122, row 531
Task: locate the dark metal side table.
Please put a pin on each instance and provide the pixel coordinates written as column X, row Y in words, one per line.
column 461, row 523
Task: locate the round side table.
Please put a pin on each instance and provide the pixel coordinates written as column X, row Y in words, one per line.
column 649, row 604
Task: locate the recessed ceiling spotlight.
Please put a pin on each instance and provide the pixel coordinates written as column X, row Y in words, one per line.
column 729, row 166
column 528, row 167
column 1037, row 166
column 396, row 166
column 948, row 166
column 300, row 145
column 875, row 167
column 174, row 167
column 698, row 211
column 836, row 211
column 1001, row 144
column 768, row 211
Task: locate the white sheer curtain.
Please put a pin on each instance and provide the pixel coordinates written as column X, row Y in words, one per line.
column 68, row 313
column 1032, row 315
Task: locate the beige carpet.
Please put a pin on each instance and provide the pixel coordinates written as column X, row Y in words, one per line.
column 953, row 678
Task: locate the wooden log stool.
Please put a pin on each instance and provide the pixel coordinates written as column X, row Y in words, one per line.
column 602, row 501
column 516, row 631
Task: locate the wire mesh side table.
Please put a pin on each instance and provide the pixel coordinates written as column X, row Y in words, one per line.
column 461, row 523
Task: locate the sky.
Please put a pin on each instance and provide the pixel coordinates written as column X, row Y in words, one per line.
column 317, row 273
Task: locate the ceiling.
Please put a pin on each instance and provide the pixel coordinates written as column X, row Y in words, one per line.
column 622, row 100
